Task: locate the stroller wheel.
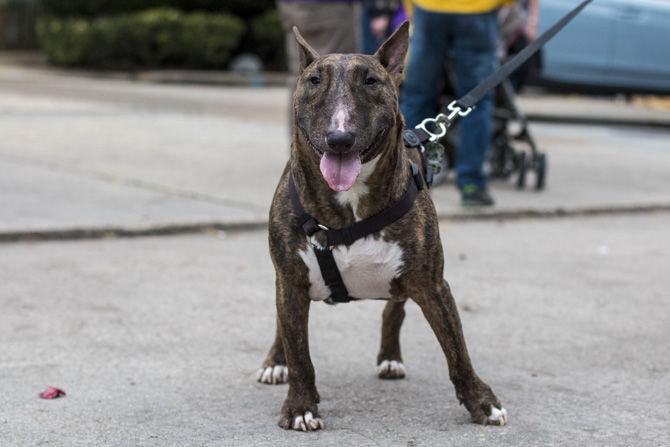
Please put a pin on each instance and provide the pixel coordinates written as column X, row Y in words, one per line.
column 522, row 169
column 540, row 171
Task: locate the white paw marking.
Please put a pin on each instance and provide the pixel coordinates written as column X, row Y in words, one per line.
column 307, row 422
column 498, row 416
column 273, row 374
column 391, row 368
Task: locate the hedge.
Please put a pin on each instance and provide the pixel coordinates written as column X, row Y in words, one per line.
column 160, row 37
column 245, row 9
column 267, row 40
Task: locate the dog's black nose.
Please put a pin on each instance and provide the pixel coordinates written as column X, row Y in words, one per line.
column 340, row 141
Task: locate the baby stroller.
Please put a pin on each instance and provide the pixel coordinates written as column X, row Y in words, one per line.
column 514, row 153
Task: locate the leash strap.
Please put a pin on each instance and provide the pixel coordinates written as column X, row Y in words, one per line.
column 347, row 236
column 476, row 94
column 436, row 128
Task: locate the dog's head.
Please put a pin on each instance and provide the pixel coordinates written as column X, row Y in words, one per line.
column 345, row 105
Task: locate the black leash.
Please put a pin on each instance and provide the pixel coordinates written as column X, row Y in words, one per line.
column 476, row 94
column 463, row 106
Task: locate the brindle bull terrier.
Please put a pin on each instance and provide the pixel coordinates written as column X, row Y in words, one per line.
column 348, row 162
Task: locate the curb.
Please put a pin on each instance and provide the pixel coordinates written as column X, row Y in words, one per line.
column 599, row 120
column 97, row 233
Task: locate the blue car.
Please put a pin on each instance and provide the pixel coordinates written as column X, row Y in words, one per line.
column 617, row 44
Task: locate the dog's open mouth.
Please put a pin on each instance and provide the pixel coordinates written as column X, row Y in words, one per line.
column 340, row 170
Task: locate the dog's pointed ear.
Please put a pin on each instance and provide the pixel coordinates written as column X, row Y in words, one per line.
column 392, row 52
column 306, row 54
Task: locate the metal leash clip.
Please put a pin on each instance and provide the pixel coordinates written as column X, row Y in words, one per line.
column 443, row 121
column 456, row 110
column 434, row 121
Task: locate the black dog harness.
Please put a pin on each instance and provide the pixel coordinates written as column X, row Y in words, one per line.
column 348, row 235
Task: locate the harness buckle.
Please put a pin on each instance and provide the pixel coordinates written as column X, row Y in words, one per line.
column 311, row 227
column 429, row 175
column 410, row 139
column 418, row 178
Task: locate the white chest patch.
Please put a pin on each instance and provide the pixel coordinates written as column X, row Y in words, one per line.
column 359, row 188
column 367, row 267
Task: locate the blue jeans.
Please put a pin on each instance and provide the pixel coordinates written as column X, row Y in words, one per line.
column 371, row 43
column 472, row 40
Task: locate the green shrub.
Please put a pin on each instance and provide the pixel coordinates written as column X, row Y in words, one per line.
column 205, row 40
column 98, row 8
column 267, row 37
column 160, row 37
column 65, row 42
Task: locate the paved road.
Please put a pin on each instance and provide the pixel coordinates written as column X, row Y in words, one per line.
column 156, row 342
column 90, row 153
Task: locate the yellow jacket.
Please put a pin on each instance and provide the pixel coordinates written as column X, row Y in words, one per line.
column 461, row 6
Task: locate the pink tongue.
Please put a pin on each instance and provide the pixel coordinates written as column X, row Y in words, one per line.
column 340, row 171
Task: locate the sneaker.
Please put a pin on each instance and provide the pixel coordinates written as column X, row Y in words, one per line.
column 473, row 195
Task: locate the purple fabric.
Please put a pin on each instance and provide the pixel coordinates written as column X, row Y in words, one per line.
column 319, row 1
column 399, row 17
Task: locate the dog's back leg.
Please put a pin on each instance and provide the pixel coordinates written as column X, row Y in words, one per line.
column 274, row 370
column 389, row 360
column 440, row 310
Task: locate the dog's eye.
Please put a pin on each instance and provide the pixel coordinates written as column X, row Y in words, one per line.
column 370, row 80
column 315, row 80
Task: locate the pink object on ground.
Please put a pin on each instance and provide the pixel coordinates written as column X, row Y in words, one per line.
column 52, row 393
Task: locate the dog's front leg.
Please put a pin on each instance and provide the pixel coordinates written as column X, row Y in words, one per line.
column 299, row 411
column 440, row 310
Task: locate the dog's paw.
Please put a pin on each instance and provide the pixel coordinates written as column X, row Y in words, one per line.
column 391, row 369
column 273, row 375
column 483, row 405
column 497, row 416
column 302, row 422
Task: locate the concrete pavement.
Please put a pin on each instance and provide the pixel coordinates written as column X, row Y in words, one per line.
column 82, row 154
column 156, row 342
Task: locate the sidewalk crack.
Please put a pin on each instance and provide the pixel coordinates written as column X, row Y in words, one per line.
column 133, row 182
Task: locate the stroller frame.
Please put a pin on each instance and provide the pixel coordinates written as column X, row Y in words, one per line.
column 505, row 159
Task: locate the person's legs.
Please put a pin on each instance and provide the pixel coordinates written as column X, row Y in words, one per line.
column 427, row 52
column 369, row 41
column 475, row 46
